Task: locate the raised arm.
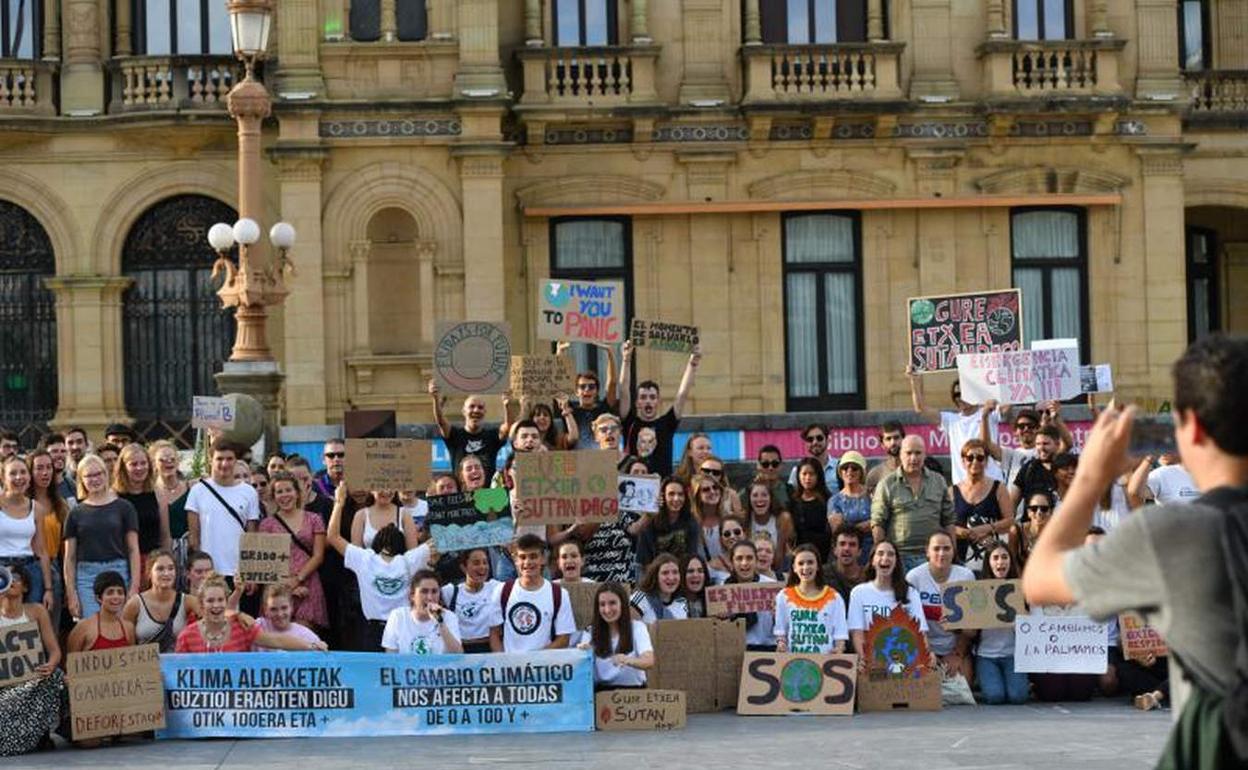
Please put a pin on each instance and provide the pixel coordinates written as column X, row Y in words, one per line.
column 686, row 381
column 626, row 378
column 509, row 415
column 611, row 396
column 571, row 431
column 444, row 427
column 917, row 398
column 1137, row 486
column 333, row 530
column 985, row 430
column 1051, row 414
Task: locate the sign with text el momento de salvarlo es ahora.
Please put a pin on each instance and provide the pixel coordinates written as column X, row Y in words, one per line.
column 581, row 311
column 659, row 335
column 797, row 683
column 943, row 326
column 898, row 673
column 565, row 488
column 311, row 694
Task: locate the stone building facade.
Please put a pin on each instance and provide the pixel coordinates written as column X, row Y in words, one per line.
column 781, row 173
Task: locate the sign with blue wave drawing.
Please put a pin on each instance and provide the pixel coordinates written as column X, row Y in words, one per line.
column 461, row 521
column 311, row 694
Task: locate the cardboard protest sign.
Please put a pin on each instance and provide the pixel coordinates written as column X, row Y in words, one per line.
column 1057, row 644
column 1139, row 640
column 657, row 335
column 581, row 311
column 982, row 604
column 115, row 692
column 1096, row 379
column 21, row 652
column 944, row 326
column 898, row 675
column 647, row 709
column 471, row 356
column 734, row 598
column 213, row 412
column 779, row 683
column 702, row 657
column 1023, row 377
column 263, row 558
column 388, row 463
column 565, row 488
column 541, row 378
column 639, row 493
column 462, row 521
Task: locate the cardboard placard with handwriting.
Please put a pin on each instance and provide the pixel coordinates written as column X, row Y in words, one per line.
column 982, row 604
column 396, row 464
column 1139, row 640
column 565, row 488
column 789, row 683
column 541, row 378
column 215, row 412
column 263, row 558
column 581, row 311
column 658, row 335
column 471, row 356
column 21, row 651
column 582, row 596
column 898, row 675
column 617, row 710
column 701, row 657
column 734, row 598
column 115, row 692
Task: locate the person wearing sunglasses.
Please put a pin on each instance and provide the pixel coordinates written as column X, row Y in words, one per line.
column 1038, row 509
column 642, row 411
column 592, row 400
column 767, row 469
column 960, row 424
column 980, row 506
column 328, row 478
column 713, row 467
column 852, row 505
column 815, row 440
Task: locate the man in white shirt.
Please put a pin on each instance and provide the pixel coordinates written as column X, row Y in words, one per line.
column 958, row 426
column 219, row 510
column 536, row 614
column 1168, row 483
column 952, row 648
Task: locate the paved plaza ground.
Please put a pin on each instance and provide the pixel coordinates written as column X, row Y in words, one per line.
column 1097, row 736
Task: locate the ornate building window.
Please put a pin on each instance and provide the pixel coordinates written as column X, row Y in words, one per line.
column 27, row 321
column 807, row 22
column 593, row 249
column 181, row 27
column 21, row 23
column 410, row 19
column 584, row 22
column 1203, row 295
column 1044, row 19
column 175, row 334
column 1050, row 264
column 1194, row 44
column 824, row 359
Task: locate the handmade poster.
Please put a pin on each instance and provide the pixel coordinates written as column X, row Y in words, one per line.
column 657, row 335
column 263, row 558
column 213, row 412
column 898, row 672
column 639, row 494
column 1060, row 644
column 702, row 658
column 780, row 683
column 1023, row 377
column 734, row 598
column 21, row 652
column 396, row 464
column 982, row 604
column 1096, row 379
column 115, row 692
column 542, row 378
column 564, row 488
column 308, row 694
column 581, row 311
column 943, row 327
column 1139, row 640
column 462, row 521
column 645, row 709
column 471, row 356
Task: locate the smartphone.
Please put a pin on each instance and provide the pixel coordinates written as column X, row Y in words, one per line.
column 1152, row 435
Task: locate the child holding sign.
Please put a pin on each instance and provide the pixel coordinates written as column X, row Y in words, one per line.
column 810, row 616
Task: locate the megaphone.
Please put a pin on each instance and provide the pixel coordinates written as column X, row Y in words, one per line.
column 6, row 578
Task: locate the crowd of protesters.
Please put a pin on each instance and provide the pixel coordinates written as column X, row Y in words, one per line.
column 109, row 544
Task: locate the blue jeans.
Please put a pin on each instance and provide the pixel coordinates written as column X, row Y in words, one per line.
column 998, row 682
column 84, row 581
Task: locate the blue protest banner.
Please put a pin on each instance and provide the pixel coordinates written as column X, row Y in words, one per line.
column 310, row 694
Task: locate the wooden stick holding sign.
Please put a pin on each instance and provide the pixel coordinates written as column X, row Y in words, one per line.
column 263, row 558
column 21, row 652
column 392, row 464
column 982, row 604
column 565, row 488
column 115, row 692
column 783, row 683
column 736, row 598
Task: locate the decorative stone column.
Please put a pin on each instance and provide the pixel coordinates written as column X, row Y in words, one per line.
column 639, row 22
column 480, row 75
column 90, row 382
column 875, row 20
column 932, row 47
column 481, row 179
column 389, row 21
column 51, row 31
column 121, row 28
column 997, row 29
column 704, row 81
column 298, row 38
column 1098, row 18
column 533, row 23
column 1157, row 51
column 753, row 23
column 1165, row 327
column 82, row 75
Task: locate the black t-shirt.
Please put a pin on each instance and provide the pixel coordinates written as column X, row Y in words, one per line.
column 660, row 460
column 147, row 507
column 585, row 419
column 100, row 530
column 1033, row 477
column 484, row 444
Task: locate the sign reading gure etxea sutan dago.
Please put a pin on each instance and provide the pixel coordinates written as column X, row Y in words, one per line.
column 565, row 488
column 942, row 327
column 581, row 311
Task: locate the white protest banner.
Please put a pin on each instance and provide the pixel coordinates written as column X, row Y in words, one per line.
column 639, row 494
column 1022, row 377
column 1055, row 344
column 216, row 412
column 1069, row 644
column 1096, row 379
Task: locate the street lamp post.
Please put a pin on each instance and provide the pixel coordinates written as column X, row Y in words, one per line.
column 255, row 283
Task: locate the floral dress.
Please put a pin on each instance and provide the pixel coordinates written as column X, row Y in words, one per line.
column 309, row 610
column 31, row 710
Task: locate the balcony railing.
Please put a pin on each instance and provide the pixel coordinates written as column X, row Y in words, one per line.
column 1051, row 67
column 26, row 87
column 172, row 82
column 589, row 76
column 1218, row 92
column 841, row 71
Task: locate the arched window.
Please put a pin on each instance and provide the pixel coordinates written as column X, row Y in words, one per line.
column 27, row 321
column 394, row 325
column 181, row 27
column 175, row 334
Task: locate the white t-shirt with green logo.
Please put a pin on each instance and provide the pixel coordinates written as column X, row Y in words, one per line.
column 384, row 584
column 409, row 636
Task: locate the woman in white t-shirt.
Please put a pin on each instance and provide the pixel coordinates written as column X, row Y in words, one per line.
column 622, row 651
column 658, row 595
column 472, row 601
column 885, row 588
column 810, row 616
column 994, row 655
column 424, row 627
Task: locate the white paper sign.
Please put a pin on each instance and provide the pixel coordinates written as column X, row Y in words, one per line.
column 212, row 412
column 639, row 494
column 1065, row 342
column 1070, row 644
column 1019, row 377
column 1096, row 379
